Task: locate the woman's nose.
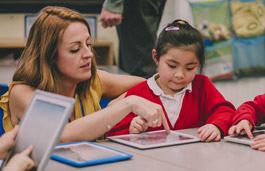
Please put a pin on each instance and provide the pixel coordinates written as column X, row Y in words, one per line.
column 87, row 53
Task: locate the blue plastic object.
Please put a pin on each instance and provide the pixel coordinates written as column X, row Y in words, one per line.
column 3, row 90
column 104, row 102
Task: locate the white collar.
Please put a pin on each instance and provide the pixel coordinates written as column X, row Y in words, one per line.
column 158, row 91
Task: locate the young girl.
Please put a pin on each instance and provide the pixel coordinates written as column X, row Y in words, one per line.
column 188, row 100
column 248, row 115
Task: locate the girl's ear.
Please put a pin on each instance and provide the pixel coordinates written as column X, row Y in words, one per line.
column 154, row 56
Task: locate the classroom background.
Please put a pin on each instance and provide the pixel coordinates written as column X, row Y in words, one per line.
column 236, row 81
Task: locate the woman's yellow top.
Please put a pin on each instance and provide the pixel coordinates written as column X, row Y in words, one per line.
column 90, row 104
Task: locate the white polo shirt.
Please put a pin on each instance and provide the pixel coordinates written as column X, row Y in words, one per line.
column 172, row 104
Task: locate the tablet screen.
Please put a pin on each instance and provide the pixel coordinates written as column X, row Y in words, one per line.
column 154, row 139
column 84, row 152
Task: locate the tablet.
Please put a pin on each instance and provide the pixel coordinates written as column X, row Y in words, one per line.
column 41, row 126
column 154, row 139
column 243, row 139
column 87, row 153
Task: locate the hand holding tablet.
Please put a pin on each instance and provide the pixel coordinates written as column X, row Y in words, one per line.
column 41, row 126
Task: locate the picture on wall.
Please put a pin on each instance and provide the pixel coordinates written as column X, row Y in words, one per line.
column 92, row 21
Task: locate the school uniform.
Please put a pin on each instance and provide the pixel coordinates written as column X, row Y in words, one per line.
column 200, row 104
column 254, row 111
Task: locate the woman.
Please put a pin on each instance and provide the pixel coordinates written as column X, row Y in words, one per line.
column 58, row 58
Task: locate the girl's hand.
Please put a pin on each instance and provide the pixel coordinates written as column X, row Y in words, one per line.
column 241, row 128
column 20, row 161
column 209, row 132
column 259, row 143
column 138, row 125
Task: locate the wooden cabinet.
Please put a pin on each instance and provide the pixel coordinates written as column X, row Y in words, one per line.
column 103, row 49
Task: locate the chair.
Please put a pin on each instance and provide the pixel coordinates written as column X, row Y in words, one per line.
column 104, row 102
column 3, row 90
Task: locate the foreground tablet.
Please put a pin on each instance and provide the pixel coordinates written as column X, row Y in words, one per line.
column 86, row 154
column 154, row 139
column 243, row 139
column 41, row 126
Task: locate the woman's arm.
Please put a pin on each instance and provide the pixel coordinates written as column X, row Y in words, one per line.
column 19, row 99
column 97, row 124
column 114, row 85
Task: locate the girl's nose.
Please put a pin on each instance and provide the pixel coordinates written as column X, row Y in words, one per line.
column 179, row 74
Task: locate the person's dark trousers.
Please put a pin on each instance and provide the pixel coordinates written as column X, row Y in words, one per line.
column 137, row 34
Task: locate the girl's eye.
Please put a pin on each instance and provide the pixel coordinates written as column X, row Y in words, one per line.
column 74, row 51
column 172, row 66
column 189, row 69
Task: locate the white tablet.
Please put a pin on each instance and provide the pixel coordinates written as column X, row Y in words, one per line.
column 154, row 139
column 243, row 139
column 41, row 126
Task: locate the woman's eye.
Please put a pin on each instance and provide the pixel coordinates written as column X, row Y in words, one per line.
column 88, row 45
column 74, row 51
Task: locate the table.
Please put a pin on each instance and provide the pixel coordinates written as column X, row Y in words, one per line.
column 201, row 156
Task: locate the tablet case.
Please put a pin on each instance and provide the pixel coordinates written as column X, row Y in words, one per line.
column 107, row 159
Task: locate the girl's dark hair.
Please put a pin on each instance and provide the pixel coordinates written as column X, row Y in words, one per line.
column 180, row 34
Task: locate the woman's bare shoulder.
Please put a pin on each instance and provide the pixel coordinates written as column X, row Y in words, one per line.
column 19, row 98
column 21, row 90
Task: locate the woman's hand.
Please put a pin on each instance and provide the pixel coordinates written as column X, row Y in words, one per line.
column 151, row 112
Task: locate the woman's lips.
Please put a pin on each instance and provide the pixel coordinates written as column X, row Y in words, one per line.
column 86, row 66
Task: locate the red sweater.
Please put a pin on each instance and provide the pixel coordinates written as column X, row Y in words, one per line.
column 254, row 111
column 204, row 105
